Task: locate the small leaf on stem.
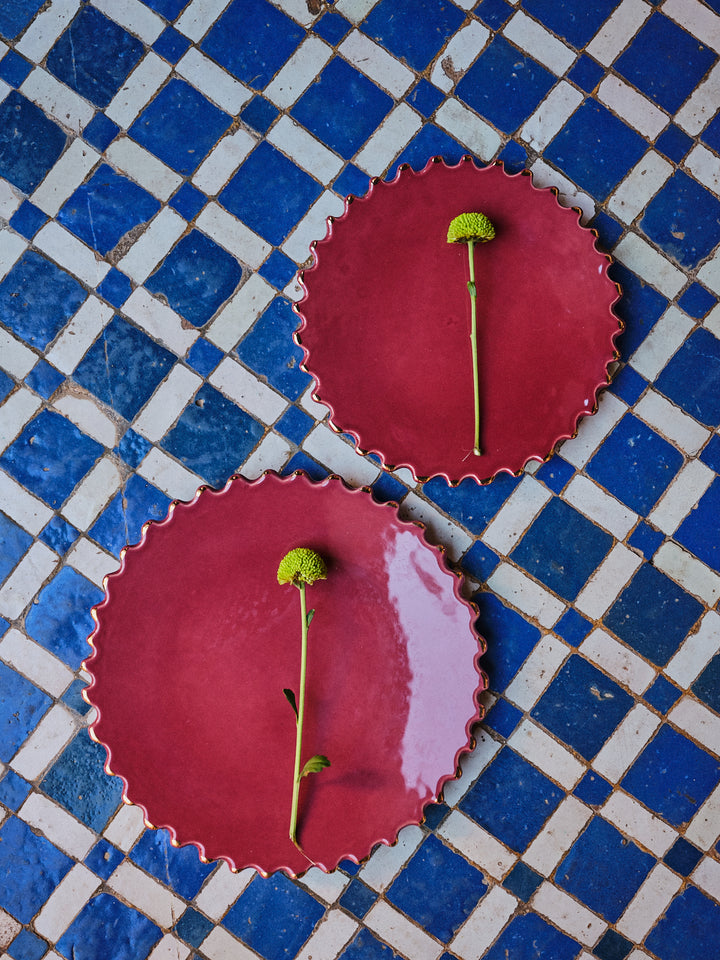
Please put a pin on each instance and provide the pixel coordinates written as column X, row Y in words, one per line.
column 310, row 615
column 290, row 697
column 314, row 765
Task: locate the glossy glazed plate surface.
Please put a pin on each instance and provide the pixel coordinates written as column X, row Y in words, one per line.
column 386, row 322
column 195, row 642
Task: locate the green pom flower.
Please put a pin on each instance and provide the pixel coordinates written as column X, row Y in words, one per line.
column 301, row 565
column 470, row 226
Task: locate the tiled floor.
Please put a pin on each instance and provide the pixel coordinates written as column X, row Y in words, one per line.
column 164, row 166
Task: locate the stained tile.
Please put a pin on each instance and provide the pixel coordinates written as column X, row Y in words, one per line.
column 193, row 927
column 687, row 927
column 15, row 542
column 510, row 639
column 22, row 705
column 15, row 18
column 470, row 504
column 178, row 867
column 133, row 935
column 77, row 781
column 692, row 377
column 529, row 934
column 682, row 219
column 121, row 522
column 30, row 869
column 60, row 619
column 104, row 858
column 413, row 30
column 269, row 350
column 13, row 790
column 30, row 143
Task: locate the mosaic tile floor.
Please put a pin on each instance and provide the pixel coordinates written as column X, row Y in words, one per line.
column 164, row 166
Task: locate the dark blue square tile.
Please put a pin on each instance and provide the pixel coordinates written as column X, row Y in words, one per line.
column 104, row 859
column 213, row 436
column 305, row 464
column 294, row 424
column 514, row 157
column 512, row 799
column 193, row 927
column 711, row 134
column 595, row 149
column 27, row 220
column 562, row 548
column 270, row 193
column 502, row 717
column 522, row 881
column 352, row 181
column 100, row 132
column 180, row 126
column 37, row 299
column 30, row 143
column 603, row 869
column 689, row 925
column 7, row 384
column 278, row 269
column 653, row 615
column 387, row 488
column 274, row 917
column 342, row 108
column 430, row 141
column 94, row 56
column 639, row 308
column 555, row 473
column 707, row 685
column 612, row 946
column 171, row 45
column 166, row 8
column 178, row 867
column 493, row 13
column 270, row 351
column 434, row 814
column 662, row 694
column 577, row 23
column 59, row 535
column 697, row 301
column 16, row 16
column 646, row 539
column 413, row 30
column 44, row 379
column 510, row 639
column 586, row 73
column 133, row 935
column 60, row 620
column 349, row 867
column 23, row 887
column 77, row 780
column 582, row 706
column 628, row 385
column 133, row 448
column 573, row 627
column 479, row 561
column 50, row 457
column 674, row 143
column 710, row 454
column 692, row 377
column 104, row 209
column 357, row 899
column 13, row 790
column 121, row 522
column 425, row 97
column 504, row 85
column 593, row 789
column 115, row 287
column 188, row 201
column 27, row 946
column 683, row 219
column 700, row 530
column 15, row 543
column 683, row 857
column 332, row 26
column 527, row 936
column 635, row 464
column 665, row 62
column 259, row 114
column 470, row 503
column 365, row 946
column 672, row 776
column 204, row 356
column 252, row 41
column 607, row 228
column 137, row 362
column 73, row 697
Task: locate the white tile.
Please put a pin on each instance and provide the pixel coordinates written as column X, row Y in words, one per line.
column 631, row 197
column 65, row 177
column 463, row 48
column 143, row 167
column 313, row 226
column 220, row 945
column 169, row 948
column 32, row 514
column 48, row 739
column 702, row 105
column 65, row 249
column 536, row 674
column 329, row 886
column 9, row 929
column 617, row 660
column 15, row 358
column 394, row 133
column 26, row 579
column 668, row 333
column 618, row 30
column 707, row 876
column 681, row 496
column 385, row 863
column 484, row 924
column 569, row 194
column 593, row 430
column 516, row 514
column 626, row 743
column 568, row 914
column 689, row 572
column 240, row 313
column 712, row 321
column 552, row 757
column 355, row 10
column 329, row 938
column 698, row 721
column 169, row 476
column 704, row 166
column 376, row 63
column 680, row 428
column 697, row 18
column 237, row 383
column 440, row 530
column 12, row 248
column 60, row 827
column 65, row 902
column 298, row 73
column 146, row 894
column 633, row 107
column 649, row 903
column 35, row 662
column 93, row 494
column 133, row 16
column 153, row 245
column 222, row 890
column 19, row 408
column 9, row 202
column 467, row 127
column 608, row 580
column 207, row 77
column 704, row 827
column 477, row 845
column 522, row 592
column 557, row 836
column 551, row 115
column 636, row 821
column 160, row 321
column 79, row 335
column 472, row 765
column 599, row 506
column 696, row 651
column 339, row 456
column 535, row 39
column 709, row 273
column 91, row 561
column 222, row 161
column 167, row 403
column 125, row 827
column 295, row 141
column 42, row 33
column 58, row 100
column 237, row 239
column 299, row 10
column 395, row 928
column 139, row 88
column 85, row 412
column 641, row 258
column 199, row 16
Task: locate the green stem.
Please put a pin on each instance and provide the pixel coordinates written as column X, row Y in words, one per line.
column 473, row 341
column 300, row 716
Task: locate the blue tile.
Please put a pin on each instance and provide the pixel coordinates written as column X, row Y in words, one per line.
column 662, row 694
column 479, row 561
column 104, row 859
column 502, row 717
column 259, row 114
column 305, row 464
column 94, row 56
column 512, row 799
column 425, row 97
column 349, row 867
column 44, row 379
column 357, row 899
column 166, row 8
column 133, row 935
column 603, row 869
column 683, row 219
column 665, row 62
column 593, row 789
column 15, row 543
column 180, row 126
column 171, row 45
column 196, row 278
column 628, row 385
column 13, row 790
column 270, row 351
column 514, row 157
column 711, row 134
column 577, row 23
column 672, row 776
column 213, row 436
column 104, row 209
column 59, row 535
column 562, row 548
column 352, row 181
column 77, row 780
column 188, row 201
column 193, row 927
column 16, row 16
column 612, row 946
column 7, row 384
column 387, row 488
column 674, row 143
column 493, row 13
column 586, row 73
column 50, row 457
column 342, row 108
column 528, row 937
column 697, row 301
column 608, row 230
column 434, row 814
column 700, row 530
column 430, row 141
column 582, row 706
column 413, row 30
column 707, row 685
column 646, row 539
column 60, row 619
column 270, row 193
column 27, row 946
column 555, row 473
column 4, row 625
column 138, row 365
column 278, row 269
column 37, row 299
column 635, row 464
column 204, row 356
column 27, row 219
column 30, row 869
column 252, row 41
column 639, row 308
column 690, row 923
column 470, row 503
column 504, row 85
column 274, row 917
column 365, row 946
column 73, row 697
column 437, row 889
column 653, row 615
column 522, row 881
column 133, row 448
column 595, row 149
column 121, row 522
column 683, row 857
column 115, row 287
column 177, row 867
column 30, row 143
column 692, row 377
column 710, row 454
column 573, row 627
column 100, row 132
column 510, row 639
column 332, row 26
column 295, row 424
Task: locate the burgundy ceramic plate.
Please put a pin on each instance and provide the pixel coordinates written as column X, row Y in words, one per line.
column 386, row 322
column 195, row 642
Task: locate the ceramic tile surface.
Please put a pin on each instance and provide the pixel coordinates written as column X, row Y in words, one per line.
column 164, row 167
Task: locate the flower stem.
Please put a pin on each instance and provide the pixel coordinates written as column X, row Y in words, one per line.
column 300, row 715
column 473, row 341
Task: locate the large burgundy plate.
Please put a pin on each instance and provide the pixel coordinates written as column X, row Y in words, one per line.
column 386, row 321
column 195, row 642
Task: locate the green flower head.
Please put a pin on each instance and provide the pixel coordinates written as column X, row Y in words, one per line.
column 301, row 565
column 470, row 226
